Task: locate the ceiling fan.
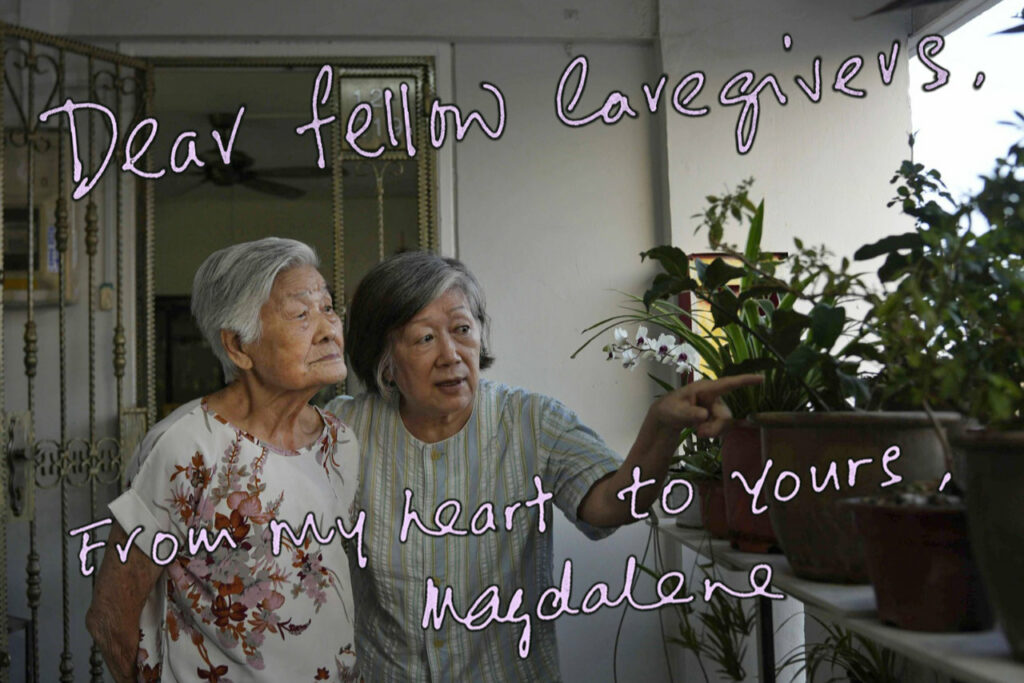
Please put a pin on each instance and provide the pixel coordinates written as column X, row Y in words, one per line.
column 241, row 172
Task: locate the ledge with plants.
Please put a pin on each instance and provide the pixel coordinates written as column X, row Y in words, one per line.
column 950, row 329
column 943, row 338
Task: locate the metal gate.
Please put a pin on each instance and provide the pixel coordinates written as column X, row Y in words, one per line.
column 77, row 392
column 77, row 371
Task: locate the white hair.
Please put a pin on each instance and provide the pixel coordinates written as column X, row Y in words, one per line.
column 232, row 285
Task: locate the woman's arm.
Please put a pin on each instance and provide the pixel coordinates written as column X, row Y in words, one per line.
column 117, row 601
column 696, row 405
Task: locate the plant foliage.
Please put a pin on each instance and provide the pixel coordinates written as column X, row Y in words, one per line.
column 950, row 324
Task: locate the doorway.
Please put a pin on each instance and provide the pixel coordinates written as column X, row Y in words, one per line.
column 93, row 289
column 353, row 213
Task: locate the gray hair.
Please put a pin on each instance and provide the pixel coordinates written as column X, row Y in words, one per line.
column 232, row 285
column 390, row 295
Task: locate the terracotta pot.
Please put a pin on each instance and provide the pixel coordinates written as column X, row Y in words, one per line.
column 919, row 559
column 817, row 536
column 994, row 468
column 712, row 507
column 741, row 452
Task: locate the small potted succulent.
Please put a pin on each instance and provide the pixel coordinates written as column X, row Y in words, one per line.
column 949, row 330
column 700, row 462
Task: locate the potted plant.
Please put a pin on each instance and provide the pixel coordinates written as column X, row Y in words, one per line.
column 810, row 453
column 861, row 660
column 718, row 634
column 950, row 332
column 798, row 333
column 811, row 361
column 725, row 347
column 701, row 464
column 699, row 460
column 728, row 348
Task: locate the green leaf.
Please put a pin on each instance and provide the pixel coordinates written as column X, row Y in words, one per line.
column 719, row 273
column 750, row 365
column 787, row 328
column 724, row 307
column 716, row 231
column 673, row 259
column 753, row 247
column 827, row 324
column 801, row 360
column 763, row 289
column 894, row 265
column 662, row 383
column 665, row 285
column 888, row 245
column 853, row 387
column 863, row 350
column 701, row 266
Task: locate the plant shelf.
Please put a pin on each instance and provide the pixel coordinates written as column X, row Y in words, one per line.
column 982, row 657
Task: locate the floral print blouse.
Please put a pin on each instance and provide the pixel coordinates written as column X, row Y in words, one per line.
column 243, row 612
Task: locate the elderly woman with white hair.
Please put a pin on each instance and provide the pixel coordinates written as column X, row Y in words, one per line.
column 231, row 465
column 433, row 431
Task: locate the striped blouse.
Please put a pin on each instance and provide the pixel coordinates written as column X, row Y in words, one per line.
column 487, row 467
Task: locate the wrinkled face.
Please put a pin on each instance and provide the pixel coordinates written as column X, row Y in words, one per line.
column 436, row 360
column 301, row 345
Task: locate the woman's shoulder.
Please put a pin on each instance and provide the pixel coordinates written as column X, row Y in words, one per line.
column 351, row 410
column 179, row 432
column 509, row 399
column 340, row 404
column 338, row 432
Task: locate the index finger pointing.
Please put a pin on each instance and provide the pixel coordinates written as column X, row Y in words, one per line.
column 726, row 384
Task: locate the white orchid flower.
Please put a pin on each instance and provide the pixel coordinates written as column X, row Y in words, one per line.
column 641, row 337
column 663, row 346
column 665, row 349
column 685, row 357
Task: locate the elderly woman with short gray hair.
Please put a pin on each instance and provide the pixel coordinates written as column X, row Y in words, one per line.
column 433, row 431
column 230, row 465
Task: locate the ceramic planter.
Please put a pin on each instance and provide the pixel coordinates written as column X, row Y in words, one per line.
column 919, row 559
column 994, row 468
column 741, row 452
column 817, row 536
column 712, row 507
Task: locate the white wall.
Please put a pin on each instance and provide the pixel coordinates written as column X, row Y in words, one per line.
column 823, row 167
column 551, row 218
column 360, row 19
column 552, row 221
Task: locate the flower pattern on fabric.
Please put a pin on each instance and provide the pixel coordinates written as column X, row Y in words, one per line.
column 220, row 607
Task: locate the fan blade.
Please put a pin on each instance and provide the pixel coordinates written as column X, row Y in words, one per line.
column 294, row 172
column 270, row 187
column 240, row 161
column 897, row 5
